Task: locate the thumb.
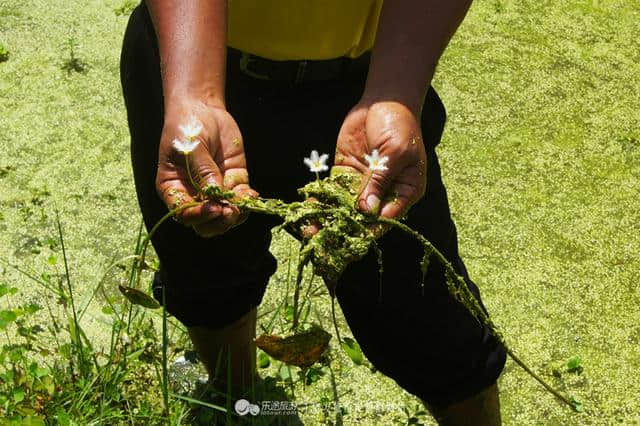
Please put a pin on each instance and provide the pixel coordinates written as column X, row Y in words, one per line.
column 377, row 183
column 204, row 170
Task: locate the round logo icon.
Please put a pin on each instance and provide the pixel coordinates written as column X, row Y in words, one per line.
column 254, row 409
column 242, row 406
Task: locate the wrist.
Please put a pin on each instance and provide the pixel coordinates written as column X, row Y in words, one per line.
column 181, row 97
column 410, row 96
column 392, row 107
column 181, row 105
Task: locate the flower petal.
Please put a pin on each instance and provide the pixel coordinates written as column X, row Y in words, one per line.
column 308, row 162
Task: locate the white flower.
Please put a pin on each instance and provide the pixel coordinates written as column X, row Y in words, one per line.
column 317, row 162
column 376, row 162
column 185, row 147
column 191, row 130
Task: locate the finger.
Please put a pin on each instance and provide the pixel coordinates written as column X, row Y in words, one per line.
column 227, row 220
column 352, row 141
column 175, row 195
column 238, row 181
column 405, row 191
column 310, row 229
column 212, row 229
column 204, row 170
column 371, row 196
column 396, row 205
column 231, row 155
column 230, row 216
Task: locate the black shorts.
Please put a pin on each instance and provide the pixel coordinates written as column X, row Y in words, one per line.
column 428, row 343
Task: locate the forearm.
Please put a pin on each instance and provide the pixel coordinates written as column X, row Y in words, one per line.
column 412, row 34
column 192, row 43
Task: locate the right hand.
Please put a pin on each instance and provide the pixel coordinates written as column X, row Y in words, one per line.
column 217, row 160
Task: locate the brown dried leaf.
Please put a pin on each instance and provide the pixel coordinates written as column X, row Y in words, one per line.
column 301, row 350
column 138, row 297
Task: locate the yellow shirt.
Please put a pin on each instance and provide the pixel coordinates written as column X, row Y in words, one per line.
column 303, row 29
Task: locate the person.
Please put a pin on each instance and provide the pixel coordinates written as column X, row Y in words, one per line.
column 268, row 82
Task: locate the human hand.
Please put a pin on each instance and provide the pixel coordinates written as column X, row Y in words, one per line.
column 218, row 159
column 394, row 130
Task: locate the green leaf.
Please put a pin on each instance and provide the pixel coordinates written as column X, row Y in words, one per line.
column 574, row 364
column 65, row 350
column 577, row 405
column 352, row 349
column 313, row 375
column 32, row 420
column 18, row 395
column 63, row 418
column 52, row 260
column 8, row 316
column 134, row 355
column 107, row 310
column 16, row 354
column 41, row 372
column 72, row 332
column 263, row 360
column 47, row 382
column 32, row 308
column 4, row 289
column 288, row 313
column 285, row 373
column 7, row 376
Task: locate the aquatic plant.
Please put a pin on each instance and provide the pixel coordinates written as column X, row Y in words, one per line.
column 345, row 235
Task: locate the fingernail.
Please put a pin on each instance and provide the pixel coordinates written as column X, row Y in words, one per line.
column 211, row 209
column 373, row 203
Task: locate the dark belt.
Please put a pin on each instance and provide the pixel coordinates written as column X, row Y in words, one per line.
column 296, row 72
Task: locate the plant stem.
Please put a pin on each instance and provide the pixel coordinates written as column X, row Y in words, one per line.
column 539, row 379
column 296, row 295
column 333, row 316
column 193, row 183
column 133, row 276
column 165, row 371
column 73, row 306
column 286, row 293
column 145, row 243
column 456, row 284
column 355, row 204
column 306, row 297
column 475, row 310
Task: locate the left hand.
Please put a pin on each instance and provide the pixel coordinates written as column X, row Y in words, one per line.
column 394, row 130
